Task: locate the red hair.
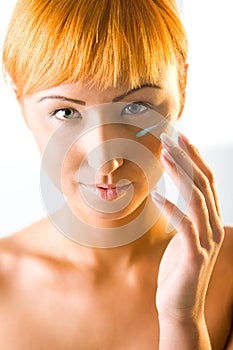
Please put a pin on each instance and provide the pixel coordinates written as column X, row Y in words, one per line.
column 98, row 43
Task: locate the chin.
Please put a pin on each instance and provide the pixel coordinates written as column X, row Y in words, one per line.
column 106, row 211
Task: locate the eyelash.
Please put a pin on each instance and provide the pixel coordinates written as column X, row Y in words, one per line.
column 53, row 114
column 142, row 103
column 60, row 120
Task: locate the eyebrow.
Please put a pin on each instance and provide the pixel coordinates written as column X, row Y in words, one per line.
column 61, row 98
column 118, row 98
column 83, row 103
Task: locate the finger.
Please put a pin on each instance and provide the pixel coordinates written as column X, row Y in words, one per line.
column 207, row 184
column 197, row 209
column 189, row 148
column 189, row 237
column 201, row 182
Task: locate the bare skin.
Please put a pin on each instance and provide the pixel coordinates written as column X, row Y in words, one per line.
column 57, row 294
column 48, row 302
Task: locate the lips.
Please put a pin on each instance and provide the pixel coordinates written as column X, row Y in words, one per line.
column 106, row 191
column 105, row 187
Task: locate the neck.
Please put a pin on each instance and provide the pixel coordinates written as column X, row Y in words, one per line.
column 119, row 246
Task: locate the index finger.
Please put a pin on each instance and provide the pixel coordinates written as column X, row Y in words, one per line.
column 194, row 154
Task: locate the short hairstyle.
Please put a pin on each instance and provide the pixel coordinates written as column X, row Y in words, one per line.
column 99, row 43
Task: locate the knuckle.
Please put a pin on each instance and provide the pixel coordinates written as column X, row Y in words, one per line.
column 210, row 246
column 183, row 154
column 201, row 259
column 188, row 224
column 218, row 233
column 204, row 182
column 194, row 149
column 198, row 198
column 211, row 177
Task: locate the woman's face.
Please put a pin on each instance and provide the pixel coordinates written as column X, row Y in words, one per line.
column 90, row 144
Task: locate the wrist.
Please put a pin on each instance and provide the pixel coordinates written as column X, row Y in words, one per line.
column 192, row 315
column 181, row 321
column 188, row 332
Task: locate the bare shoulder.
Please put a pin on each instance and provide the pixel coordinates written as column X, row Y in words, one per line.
column 224, row 266
column 228, row 239
column 227, row 246
column 224, row 262
column 222, row 278
column 10, row 258
column 24, row 255
column 12, row 251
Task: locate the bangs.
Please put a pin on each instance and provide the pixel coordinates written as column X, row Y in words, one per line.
column 96, row 43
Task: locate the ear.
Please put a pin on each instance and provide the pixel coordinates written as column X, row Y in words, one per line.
column 183, row 84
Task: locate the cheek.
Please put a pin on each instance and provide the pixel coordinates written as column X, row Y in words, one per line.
column 41, row 137
column 143, row 168
column 58, row 157
column 153, row 144
column 70, row 166
column 153, row 166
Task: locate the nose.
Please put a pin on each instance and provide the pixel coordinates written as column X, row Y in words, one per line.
column 110, row 166
column 104, row 156
column 102, row 162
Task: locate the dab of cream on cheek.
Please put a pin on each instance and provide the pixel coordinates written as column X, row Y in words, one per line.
column 143, row 132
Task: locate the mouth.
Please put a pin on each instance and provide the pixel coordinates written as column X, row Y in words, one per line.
column 108, row 192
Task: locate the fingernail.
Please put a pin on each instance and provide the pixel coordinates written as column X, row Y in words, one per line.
column 167, row 155
column 157, row 197
column 167, row 140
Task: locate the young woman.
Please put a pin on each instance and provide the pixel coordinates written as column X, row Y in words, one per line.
column 101, row 85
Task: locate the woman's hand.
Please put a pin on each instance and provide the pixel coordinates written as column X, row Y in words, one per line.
column 188, row 261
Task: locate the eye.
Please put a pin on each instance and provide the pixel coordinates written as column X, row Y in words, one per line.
column 65, row 114
column 135, row 108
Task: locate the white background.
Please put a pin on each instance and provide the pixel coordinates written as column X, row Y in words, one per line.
column 207, row 118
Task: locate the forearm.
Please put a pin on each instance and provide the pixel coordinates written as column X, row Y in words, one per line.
column 188, row 334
